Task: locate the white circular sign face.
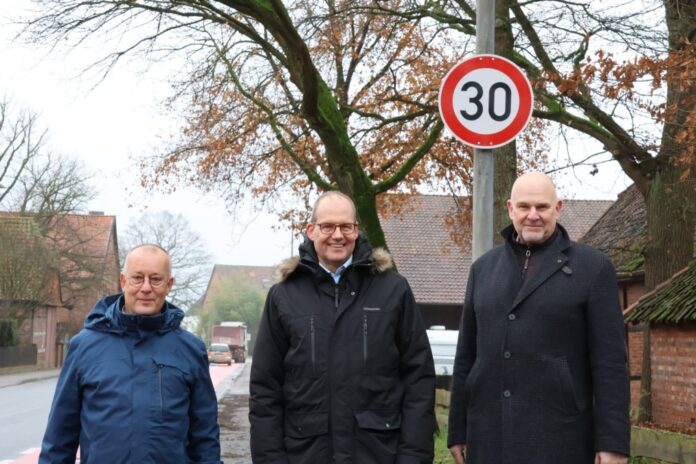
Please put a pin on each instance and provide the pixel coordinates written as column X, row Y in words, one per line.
column 485, row 101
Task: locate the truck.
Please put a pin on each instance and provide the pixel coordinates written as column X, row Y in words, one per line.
column 235, row 335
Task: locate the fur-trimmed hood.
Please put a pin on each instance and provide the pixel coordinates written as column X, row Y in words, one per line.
column 378, row 259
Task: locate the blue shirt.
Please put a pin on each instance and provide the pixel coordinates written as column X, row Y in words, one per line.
column 336, row 276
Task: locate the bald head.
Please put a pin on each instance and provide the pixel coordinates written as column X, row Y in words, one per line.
column 151, row 249
column 534, row 207
column 534, row 182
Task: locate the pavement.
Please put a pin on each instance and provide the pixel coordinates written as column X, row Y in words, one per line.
column 18, row 378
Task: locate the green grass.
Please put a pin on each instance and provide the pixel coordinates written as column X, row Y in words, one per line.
column 443, row 456
column 639, row 460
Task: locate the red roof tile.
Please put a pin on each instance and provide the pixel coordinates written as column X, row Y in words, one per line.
column 436, row 268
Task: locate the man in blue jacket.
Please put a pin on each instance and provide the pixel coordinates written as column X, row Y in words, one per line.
column 135, row 387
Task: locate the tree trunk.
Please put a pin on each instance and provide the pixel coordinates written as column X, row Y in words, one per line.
column 505, row 157
column 670, row 191
column 670, row 196
column 671, row 209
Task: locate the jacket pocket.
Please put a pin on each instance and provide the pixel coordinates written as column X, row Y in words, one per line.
column 378, row 419
column 172, row 386
column 306, row 425
column 377, row 435
column 306, row 356
column 378, row 349
column 470, row 385
column 566, row 385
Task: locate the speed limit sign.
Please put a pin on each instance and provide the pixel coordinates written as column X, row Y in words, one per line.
column 485, row 100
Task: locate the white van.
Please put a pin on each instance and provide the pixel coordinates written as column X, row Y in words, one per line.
column 443, row 344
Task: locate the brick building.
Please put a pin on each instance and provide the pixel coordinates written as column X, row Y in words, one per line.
column 670, row 311
column 79, row 260
column 29, row 292
column 621, row 233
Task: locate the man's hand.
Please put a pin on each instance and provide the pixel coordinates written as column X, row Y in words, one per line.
column 458, row 453
column 607, row 457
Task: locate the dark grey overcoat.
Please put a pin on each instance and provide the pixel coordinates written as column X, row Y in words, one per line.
column 540, row 375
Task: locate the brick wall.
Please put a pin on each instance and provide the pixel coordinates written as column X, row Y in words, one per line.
column 629, row 293
column 673, row 356
column 635, row 361
column 634, row 291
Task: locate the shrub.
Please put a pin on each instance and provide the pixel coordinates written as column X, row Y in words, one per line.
column 9, row 335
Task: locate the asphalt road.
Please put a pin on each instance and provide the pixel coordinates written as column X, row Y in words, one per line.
column 23, row 414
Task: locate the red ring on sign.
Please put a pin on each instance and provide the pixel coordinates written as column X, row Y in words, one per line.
column 449, row 86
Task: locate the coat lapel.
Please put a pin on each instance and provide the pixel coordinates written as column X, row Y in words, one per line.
column 551, row 260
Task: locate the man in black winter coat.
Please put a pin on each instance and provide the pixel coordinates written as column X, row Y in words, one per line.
column 342, row 370
column 540, row 374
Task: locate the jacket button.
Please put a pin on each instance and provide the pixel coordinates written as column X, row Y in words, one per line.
column 507, row 394
column 387, row 425
column 352, row 293
column 507, row 355
column 512, row 317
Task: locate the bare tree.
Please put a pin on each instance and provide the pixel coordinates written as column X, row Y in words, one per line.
column 52, row 184
column 20, row 142
column 190, row 261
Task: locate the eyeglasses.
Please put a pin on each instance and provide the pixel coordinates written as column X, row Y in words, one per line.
column 155, row 281
column 328, row 229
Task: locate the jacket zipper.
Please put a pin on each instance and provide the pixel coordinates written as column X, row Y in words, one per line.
column 161, row 395
column 312, row 338
column 527, row 255
column 365, row 342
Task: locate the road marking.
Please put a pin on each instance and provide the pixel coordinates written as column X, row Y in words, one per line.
column 30, row 456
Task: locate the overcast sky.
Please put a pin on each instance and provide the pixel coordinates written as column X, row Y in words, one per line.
column 109, row 124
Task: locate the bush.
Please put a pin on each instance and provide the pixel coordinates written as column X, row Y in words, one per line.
column 9, row 335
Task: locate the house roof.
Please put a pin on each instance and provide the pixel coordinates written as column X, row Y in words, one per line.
column 23, row 261
column 621, row 233
column 436, row 268
column 81, row 241
column 673, row 301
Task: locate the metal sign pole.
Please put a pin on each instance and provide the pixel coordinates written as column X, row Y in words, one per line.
column 482, row 239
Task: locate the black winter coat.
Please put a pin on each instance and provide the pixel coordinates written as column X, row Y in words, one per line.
column 540, row 375
column 342, row 373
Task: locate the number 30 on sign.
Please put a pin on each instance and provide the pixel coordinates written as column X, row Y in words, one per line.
column 485, row 101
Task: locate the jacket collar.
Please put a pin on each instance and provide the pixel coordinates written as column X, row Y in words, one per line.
column 376, row 259
column 552, row 258
column 107, row 316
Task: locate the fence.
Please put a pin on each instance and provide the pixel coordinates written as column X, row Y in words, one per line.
column 11, row 356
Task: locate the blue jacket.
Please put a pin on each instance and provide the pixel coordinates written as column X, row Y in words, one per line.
column 134, row 389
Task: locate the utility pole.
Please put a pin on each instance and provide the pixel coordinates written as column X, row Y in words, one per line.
column 482, row 239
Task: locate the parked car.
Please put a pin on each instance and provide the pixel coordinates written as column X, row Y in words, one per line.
column 219, row 353
column 443, row 344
